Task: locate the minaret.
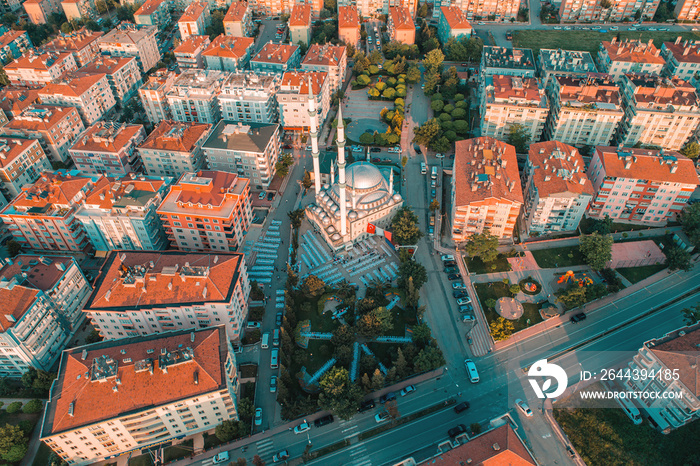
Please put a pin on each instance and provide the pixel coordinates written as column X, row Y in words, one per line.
column 341, row 172
column 313, row 132
column 332, row 173
column 391, row 182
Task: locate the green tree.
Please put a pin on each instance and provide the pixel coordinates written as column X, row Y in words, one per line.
column 14, row 407
column 602, row 227
column 295, row 217
column 363, row 80
column 490, row 303
column 412, row 294
column 101, row 6
column 404, row 226
column 389, row 93
column 691, row 316
column 427, row 132
column 519, row 137
column 378, row 380
column 677, row 258
column 514, row 289
column 434, row 205
column 13, row 443
column 400, row 363
column 4, row 80
column 32, row 407
column 306, row 182
column 312, row 287
column 428, row 359
column 442, row 144
column 375, row 57
column 361, row 63
column 596, row 250
column 413, row 74
column 376, row 322
column 216, row 25
column 474, row 46
column 432, row 80
column 257, row 461
column 228, row 430
column 501, row 329
column 482, row 245
column 690, row 221
column 437, row 105
column 573, row 297
column 421, row 335
column 691, row 150
column 461, row 127
column 339, row 395
column 256, row 293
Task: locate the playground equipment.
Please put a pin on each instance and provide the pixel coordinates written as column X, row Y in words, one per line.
column 570, row 277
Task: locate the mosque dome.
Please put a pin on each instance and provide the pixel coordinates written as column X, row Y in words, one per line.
column 364, row 175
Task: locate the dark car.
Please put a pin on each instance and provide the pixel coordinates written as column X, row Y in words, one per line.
column 460, row 293
column 509, row 35
column 432, row 192
column 454, row 276
column 375, row 149
column 449, row 263
column 457, row 430
column 578, row 317
column 376, row 160
column 570, row 451
column 463, row 406
column 278, row 319
column 451, row 270
column 270, row 196
column 387, row 397
column 287, row 146
column 323, row 421
column 417, row 149
column 366, row 406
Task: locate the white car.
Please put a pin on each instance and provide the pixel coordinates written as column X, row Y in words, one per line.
column 303, row 427
column 258, row 416
column 408, row 389
column 468, row 318
column 465, row 300
column 447, row 257
column 440, row 156
column 253, row 324
column 459, row 286
column 481, row 23
column 309, row 148
column 381, row 417
column 261, row 195
column 221, row 458
column 557, row 28
column 357, row 148
column 614, row 28
column 396, row 149
column 522, row 406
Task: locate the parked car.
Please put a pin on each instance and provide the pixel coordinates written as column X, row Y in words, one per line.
column 460, row 294
column 463, row 406
column 578, row 317
column 396, row 149
column 365, row 406
column 468, row 318
column 381, row 417
column 323, row 421
column 281, row 456
column 447, row 257
column 454, row 276
column 273, row 384
column 464, row 300
column 270, row 196
column 376, row 160
column 258, row 416
column 357, row 148
column 375, row 149
column 278, row 319
column 432, row 193
column 309, row 148
column 221, row 457
column 509, row 35
column 451, row 270
column 287, row 146
column 459, row 286
column 457, row 430
column 253, row 324
column 303, row 427
column 523, row 407
column 417, row 148
column 449, row 264
column 408, row 389
column 439, row 155
column 387, row 397
column 261, row 196
column 466, row 308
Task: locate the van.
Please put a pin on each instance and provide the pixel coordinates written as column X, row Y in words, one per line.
column 276, row 337
column 265, row 340
column 433, row 173
column 423, row 168
column 221, row 458
column 471, row 370
column 274, row 358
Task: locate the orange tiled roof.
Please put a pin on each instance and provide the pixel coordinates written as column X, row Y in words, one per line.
column 192, row 44
column 15, row 302
column 193, row 12
column 633, row 51
column 40, row 118
column 42, row 271
column 593, row 88
column 497, row 447
column 327, row 54
column 105, row 137
column 348, row 17
column 648, row 165
column 149, row 7
column 681, row 353
column 199, row 278
column 37, row 61
column 299, row 81
column 275, row 53
column 52, row 188
column 175, row 136
column 684, row 52
column 654, row 92
column 96, row 400
column 73, row 42
column 301, row 15
column 10, row 36
column 486, row 168
column 106, row 64
column 401, row 17
column 517, row 88
column 455, row 17
column 107, row 190
column 14, row 99
column 229, row 46
column 11, row 148
column 558, row 168
column 236, row 11
column 74, row 85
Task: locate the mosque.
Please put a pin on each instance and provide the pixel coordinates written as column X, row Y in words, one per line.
column 343, row 210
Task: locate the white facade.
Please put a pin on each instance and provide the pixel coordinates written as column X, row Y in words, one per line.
column 174, row 148
column 22, row 162
column 152, row 95
column 293, row 102
column 37, row 69
column 91, row 95
column 194, row 96
column 619, row 58
column 250, row 97
column 130, row 40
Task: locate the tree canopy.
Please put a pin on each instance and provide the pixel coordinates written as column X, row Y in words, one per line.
column 312, row 287
column 404, row 227
column 339, row 395
column 519, row 137
column 482, row 245
column 596, row 250
column 690, row 221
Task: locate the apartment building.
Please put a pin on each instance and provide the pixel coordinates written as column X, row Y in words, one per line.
column 194, row 20
column 140, row 391
column 53, row 126
column 153, row 95
column 400, row 25
column 11, row 6
column 238, row 21
column 42, row 298
column 15, row 100
column 560, row 62
column 82, row 44
column 228, row 53
column 618, row 10
column 174, row 148
column 36, row 69
column 584, row 110
column 642, row 186
column 486, row 190
column 682, row 58
column 348, row 25
column 293, row 98
column 189, row 53
column 207, row 211
column 674, row 401
column 510, row 100
column 14, row 44
column 79, row 10
column 507, row 62
column 503, row 10
column 367, row 8
column 120, row 213
column 39, row 11
column 661, row 112
column 21, row 163
column 250, row 98
column 108, row 148
column 687, row 10
column 91, row 94
column 276, row 58
column 331, row 59
column 42, row 216
column 154, row 13
column 132, row 40
column 251, row 150
column 299, row 24
column 123, row 75
column 629, row 56
column 269, row 8
column 453, row 23
column 194, row 96
column 557, row 190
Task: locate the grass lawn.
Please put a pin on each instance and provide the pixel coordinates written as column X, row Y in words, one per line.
column 637, row 274
column 476, row 265
column 42, row 455
column 588, row 41
column 143, row 460
column 500, row 290
column 608, row 437
column 558, row 257
column 178, row 451
column 211, row 441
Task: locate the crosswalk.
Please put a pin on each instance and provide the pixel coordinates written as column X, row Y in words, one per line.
column 358, row 456
column 266, row 449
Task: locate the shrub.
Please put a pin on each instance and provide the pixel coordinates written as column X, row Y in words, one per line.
column 445, row 117
column 380, row 86
column 459, row 97
column 459, row 113
column 451, row 135
column 14, row 407
column 32, row 407
column 448, row 108
column 366, row 138
column 391, row 82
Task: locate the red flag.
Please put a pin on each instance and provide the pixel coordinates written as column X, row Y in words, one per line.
column 387, row 235
column 371, row 229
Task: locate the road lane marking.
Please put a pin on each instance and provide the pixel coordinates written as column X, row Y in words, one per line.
column 349, row 428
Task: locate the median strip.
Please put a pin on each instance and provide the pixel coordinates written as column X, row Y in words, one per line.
column 406, row 419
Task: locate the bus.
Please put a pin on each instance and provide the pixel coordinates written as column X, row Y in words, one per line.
column 433, row 173
column 423, row 168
